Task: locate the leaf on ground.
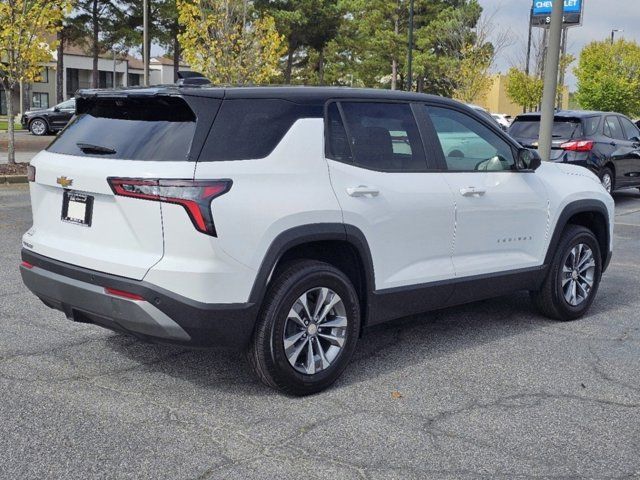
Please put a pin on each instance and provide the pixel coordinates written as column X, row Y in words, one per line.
column 396, row 394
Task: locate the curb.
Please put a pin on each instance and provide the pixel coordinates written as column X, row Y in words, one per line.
column 12, row 179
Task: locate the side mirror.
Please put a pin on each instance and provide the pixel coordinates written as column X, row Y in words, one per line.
column 528, row 159
column 635, row 139
column 56, row 109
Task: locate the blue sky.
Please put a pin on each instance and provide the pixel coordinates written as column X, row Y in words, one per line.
column 600, row 17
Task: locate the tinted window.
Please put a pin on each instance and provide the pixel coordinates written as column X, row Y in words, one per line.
column 630, row 130
column 612, row 128
column 157, row 129
column 338, row 144
column 529, row 127
column 68, row 105
column 384, row 136
column 247, row 129
column 468, row 145
column 590, row 125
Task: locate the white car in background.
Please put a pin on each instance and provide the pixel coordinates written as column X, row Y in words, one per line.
column 503, row 119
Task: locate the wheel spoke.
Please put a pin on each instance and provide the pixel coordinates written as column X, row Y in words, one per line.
column 324, row 363
column 332, row 303
column 291, row 341
column 321, row 299
column 295, row 316
column 294, row 352
column 574, row 300
column 586, row 280
column 304, row 301
column 586, row 258
column 310, row 365
column 335, row 322
column 332, row 339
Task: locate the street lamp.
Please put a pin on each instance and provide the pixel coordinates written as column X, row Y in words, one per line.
column 613, row 34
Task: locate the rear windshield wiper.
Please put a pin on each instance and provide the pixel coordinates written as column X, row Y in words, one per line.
column 96, row 149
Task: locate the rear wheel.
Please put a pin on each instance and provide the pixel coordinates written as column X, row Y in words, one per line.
column 573, row 278
column 606, row 177
column 307, row 330
column 38, row 127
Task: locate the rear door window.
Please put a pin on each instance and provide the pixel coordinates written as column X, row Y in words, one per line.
column 246, row 129
column 384, row 136
column 630, row 130
column 590, row 125
column 613, row 129
column 154, row 129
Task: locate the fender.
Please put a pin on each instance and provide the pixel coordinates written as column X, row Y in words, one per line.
column 316, row 232
column 573, row 208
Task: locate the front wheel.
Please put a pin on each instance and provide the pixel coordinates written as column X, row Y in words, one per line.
column 573, row 278
column 307, row 330
column 38, row 127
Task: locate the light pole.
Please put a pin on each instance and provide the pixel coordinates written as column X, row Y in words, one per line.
column 145, row 40
column 410, row 59
column 613, row 34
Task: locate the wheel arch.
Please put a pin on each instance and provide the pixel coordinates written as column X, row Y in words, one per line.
column 591, row 214
column 343, row 246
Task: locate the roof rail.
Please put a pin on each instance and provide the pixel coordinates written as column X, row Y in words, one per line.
column 187, row 78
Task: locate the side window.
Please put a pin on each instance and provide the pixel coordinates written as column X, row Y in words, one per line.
column 384, row 136
column 468, row 145
column 247, row 129
column 612, row 128
column 630, row 130
column 590, row 125
column 337, row 143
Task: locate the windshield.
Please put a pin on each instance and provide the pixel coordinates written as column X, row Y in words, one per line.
column 530, row 128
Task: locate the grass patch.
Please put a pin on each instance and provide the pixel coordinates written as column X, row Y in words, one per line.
column 4, row 126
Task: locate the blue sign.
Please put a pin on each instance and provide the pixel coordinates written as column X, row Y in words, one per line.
column 543, row 7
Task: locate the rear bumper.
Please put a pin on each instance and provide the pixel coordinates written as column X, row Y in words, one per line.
column 161, row 317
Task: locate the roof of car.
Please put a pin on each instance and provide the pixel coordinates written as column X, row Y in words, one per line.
column 568, row 114
column 301, row 94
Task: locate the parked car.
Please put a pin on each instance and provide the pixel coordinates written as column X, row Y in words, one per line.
column 503, row 119
column 485, row 113
column 606, row 143
column 285, row 221
column 49, row 120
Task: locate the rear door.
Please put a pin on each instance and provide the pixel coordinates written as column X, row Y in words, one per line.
column 631, row 163
column 77, row 218
column 385, row 188
column 62, row 113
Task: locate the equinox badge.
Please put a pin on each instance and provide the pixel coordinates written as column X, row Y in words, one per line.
column 64, row 181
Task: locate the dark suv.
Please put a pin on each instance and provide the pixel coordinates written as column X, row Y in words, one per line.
column 606, row 143
column 49, row 120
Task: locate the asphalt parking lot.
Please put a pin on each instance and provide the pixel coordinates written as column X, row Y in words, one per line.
column 488, row 390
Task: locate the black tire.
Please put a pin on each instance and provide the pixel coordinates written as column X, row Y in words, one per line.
column 267, row 352
column 550, row 299
column 606, row 171
column 39, row 127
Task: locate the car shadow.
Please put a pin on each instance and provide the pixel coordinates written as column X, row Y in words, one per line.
column 382, row 349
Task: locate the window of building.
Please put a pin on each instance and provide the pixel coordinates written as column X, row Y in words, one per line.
column 40, row 100
column 133, row 79
column 73, row 81
column 105, row 79
column 44, row 76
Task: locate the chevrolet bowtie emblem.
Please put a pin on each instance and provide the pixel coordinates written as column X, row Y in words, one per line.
column 64, row 181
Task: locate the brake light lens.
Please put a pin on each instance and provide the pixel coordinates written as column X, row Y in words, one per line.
column 123, row 294
column 194, row 195
column 31, row 173
column 578, row 146
column 26, row 264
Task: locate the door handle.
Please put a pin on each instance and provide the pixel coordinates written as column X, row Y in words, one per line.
column 472, row 192
column 362, row 190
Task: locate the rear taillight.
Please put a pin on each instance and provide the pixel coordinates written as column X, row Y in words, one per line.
column 578, row 146
column 194, row 195
column 26, row 264
column 123, row 294
column 31, row 173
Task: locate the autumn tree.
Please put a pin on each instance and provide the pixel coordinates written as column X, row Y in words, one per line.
column 524, row 90
column 609, row 77
column 27, row 28
column 229, row 42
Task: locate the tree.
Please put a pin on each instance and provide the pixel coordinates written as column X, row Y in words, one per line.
column 228, row 42
column 524, row 90
column 305, row 24
column 609, row 77
column 26, row 30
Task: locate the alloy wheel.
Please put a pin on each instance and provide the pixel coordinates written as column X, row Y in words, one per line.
column 315, row 330
column 578, row 274
column 38, row 127
column 607, row 182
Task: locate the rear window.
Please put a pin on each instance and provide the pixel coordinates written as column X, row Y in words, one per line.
column 158, row 129
column 246, row 129
column 529, row 127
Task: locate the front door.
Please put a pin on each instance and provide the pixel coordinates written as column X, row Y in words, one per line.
column 380, row 176
column 501, row 213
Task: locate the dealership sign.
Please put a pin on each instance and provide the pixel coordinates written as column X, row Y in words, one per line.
column 541, row 12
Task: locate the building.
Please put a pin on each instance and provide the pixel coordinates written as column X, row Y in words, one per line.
column 78, row 68
column 496, row 99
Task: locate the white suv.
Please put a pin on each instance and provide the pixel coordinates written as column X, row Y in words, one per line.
column 284, row 221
